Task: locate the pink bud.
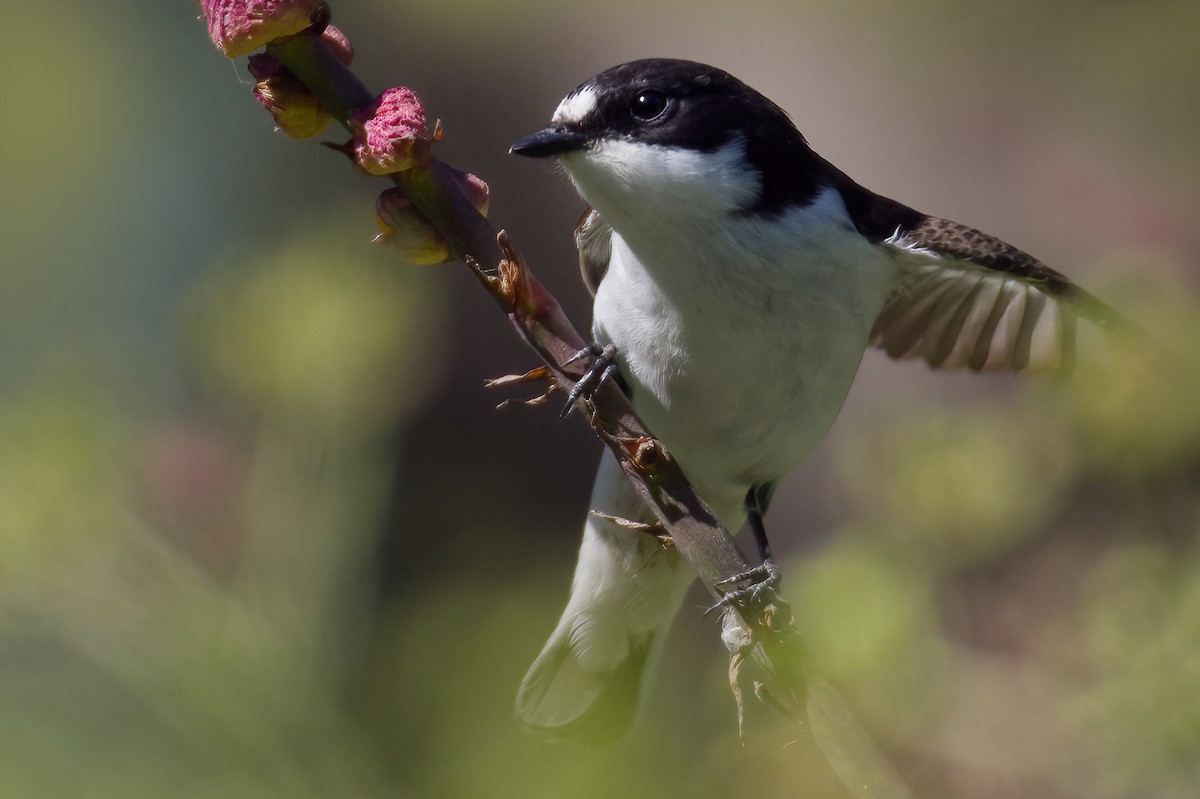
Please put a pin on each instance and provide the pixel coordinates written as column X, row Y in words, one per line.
column 414, row 236
column 391, row 134
column 338, row 44
column 472, row 187
column 296, row 110
column 238, row 27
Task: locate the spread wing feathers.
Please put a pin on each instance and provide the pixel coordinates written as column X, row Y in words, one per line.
column 967, row 299
column 593, row 237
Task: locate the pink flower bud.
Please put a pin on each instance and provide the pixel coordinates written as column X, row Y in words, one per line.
column 472, row 187
column 296, row 110
column 414, row 236
column 238, row 27
column 338, row 44
column 391, row 134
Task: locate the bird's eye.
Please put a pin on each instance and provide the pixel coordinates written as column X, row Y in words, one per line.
column 649, row 105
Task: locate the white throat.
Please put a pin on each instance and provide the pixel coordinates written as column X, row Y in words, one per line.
column 630, row 182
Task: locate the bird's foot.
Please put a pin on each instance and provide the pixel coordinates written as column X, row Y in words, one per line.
column 752, row 589
column 603, row 369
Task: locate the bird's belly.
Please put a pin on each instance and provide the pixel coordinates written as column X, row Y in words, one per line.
column 739, row 398
column 740, row 349
column 752, row 417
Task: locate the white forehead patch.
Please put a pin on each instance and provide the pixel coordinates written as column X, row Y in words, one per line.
column 575, row 107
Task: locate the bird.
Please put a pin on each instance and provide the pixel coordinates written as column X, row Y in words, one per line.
column 737, row 280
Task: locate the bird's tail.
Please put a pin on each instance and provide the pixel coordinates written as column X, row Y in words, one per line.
column 590, row 677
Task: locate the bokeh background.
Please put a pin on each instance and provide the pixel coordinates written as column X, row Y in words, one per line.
column 263, row 533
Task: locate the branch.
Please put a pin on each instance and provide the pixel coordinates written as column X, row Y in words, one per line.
column 433, row 190
column 305, row 81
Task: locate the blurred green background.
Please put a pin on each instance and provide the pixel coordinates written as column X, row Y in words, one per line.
column 262, row 533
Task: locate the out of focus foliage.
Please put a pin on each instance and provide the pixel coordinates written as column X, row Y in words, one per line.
column 261, row 534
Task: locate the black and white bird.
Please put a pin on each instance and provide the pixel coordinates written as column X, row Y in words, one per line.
column 740, row 277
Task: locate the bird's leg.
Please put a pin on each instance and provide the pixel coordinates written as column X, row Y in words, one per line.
column 762, row 580
column 603, row 368
column 756, row 506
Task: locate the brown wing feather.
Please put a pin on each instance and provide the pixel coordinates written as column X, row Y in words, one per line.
column 970, row 300
column 593, row 237
column 967, row 299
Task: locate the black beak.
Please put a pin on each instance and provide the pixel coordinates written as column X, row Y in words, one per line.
column 551, row 141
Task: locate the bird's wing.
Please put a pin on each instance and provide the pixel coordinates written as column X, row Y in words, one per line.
column 965, row 299
column 593, row 237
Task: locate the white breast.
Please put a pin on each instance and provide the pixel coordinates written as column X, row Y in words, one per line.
column 740, row 336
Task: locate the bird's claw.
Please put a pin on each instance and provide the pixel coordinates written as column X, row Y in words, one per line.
column 602, row 369
column 755, row 587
